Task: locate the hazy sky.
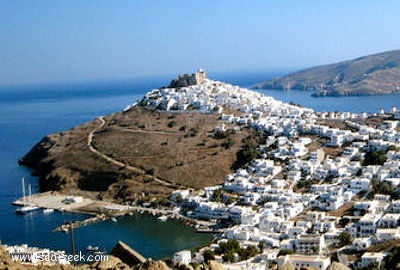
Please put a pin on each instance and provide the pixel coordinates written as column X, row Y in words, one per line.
column 53, row 41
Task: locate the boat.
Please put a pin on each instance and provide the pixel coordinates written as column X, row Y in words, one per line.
column 114, row 219
column 99, row 252
column 162, row 218
column 27, row 209
column 48, row 211
column 64, row 228
column 92, row 248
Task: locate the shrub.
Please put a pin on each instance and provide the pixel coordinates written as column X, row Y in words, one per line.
column 381, row 188
column 171, row 124
column 247, row 154
column 284, row 252
column 208, row 255
column 375, row 158
column 228, row 257
column 345, row 239
column 344, row 221
column 229, row 142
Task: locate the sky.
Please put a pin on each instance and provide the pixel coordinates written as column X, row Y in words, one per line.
column 51, row 41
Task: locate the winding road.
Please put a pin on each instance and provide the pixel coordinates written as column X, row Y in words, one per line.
column 119, row 163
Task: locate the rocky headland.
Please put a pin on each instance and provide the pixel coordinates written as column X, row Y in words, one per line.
column 368, row 75
column 149, row 149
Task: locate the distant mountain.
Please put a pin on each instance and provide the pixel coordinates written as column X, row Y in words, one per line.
column 368, row 75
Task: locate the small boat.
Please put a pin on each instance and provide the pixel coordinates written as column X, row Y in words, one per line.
column 162, row 218
column 114, row 219
column 48, row 211
column 99, row 252
column 27, row 209
column 92, row 248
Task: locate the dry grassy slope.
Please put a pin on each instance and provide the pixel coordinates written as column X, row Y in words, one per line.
column 177, row 148
column 63, row 159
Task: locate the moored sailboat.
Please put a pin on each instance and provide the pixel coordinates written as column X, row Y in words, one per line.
column 28, row 207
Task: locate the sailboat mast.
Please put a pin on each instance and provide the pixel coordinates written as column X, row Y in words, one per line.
column 23, row 188
column 30, row 192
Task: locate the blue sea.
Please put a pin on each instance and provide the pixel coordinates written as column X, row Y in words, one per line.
column 30, row 113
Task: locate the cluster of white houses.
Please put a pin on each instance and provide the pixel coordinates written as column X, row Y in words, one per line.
column 266, row 207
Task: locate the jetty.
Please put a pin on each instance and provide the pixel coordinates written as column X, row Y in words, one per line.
column 66, row 227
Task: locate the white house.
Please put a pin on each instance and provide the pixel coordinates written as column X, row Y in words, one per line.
column 389, row 220
column 363, row 243
column 300, row 261
column 387, row 234
column 368, row 224
column 371, row 258
column 359, row 184
column 183, row 256
column 310, row 244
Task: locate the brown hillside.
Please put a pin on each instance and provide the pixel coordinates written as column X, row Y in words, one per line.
column 135, row 152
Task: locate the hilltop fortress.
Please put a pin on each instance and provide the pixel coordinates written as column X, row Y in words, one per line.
column 184, row 80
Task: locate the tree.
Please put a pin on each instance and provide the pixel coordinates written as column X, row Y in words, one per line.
column 251, row 251
column 344, row 221
column 247, row 154
column 228, row 257
column 345, row 239
column 284, row 252
column 381, row 188
column 393, row 259
column 208, row 255
column 375, row 158
column 217, row 195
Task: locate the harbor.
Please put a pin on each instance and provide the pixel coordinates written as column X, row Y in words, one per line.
column 102, row 210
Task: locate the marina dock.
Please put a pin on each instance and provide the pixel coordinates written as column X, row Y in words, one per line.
column 78, row 204
column 102, row 210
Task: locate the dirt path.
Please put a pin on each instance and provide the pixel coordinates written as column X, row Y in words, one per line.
column 119, row 163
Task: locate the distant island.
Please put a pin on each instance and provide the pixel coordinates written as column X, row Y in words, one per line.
column 368, row 75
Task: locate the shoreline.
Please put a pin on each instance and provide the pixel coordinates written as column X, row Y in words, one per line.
column 103, row 210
